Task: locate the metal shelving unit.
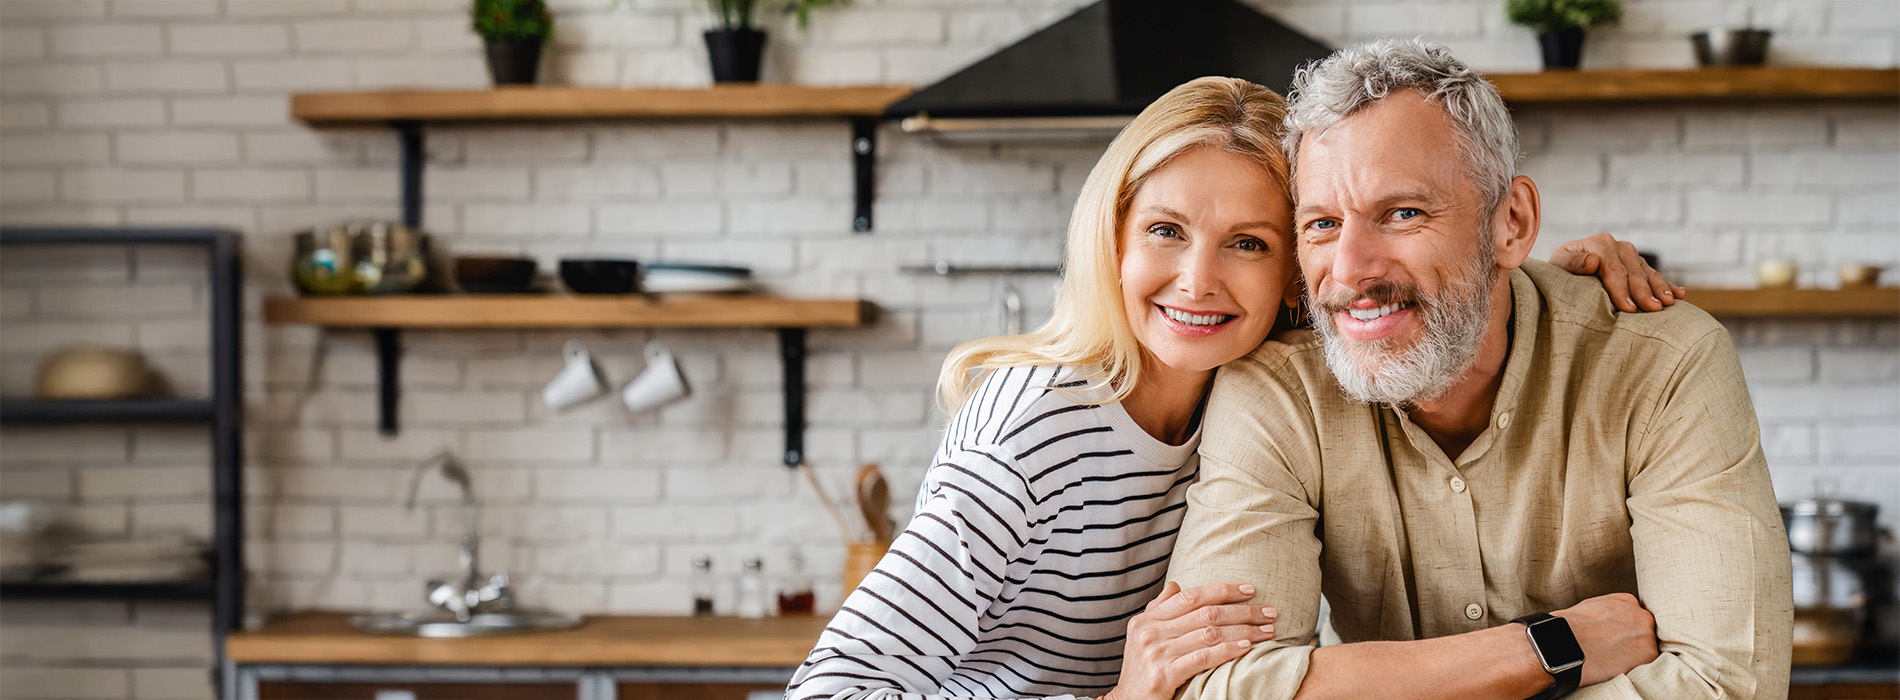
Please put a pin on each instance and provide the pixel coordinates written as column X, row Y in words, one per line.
column 222, row 411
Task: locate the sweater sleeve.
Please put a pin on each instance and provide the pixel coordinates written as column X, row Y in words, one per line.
column 904, row 631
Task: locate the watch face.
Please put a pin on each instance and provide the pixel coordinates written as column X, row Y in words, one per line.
column 1556, row 646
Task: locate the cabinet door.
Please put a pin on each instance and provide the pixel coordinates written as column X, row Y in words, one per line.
column 629, row 690
column 1845, row 691
column 327, row 690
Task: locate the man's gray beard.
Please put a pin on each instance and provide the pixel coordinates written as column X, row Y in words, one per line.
column 1375, row 372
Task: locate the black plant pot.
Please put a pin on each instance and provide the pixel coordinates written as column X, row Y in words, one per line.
column 1563, row 48
column 513, row 61
column 735, row 54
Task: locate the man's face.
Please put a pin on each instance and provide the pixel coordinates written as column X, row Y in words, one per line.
column 1394, row 243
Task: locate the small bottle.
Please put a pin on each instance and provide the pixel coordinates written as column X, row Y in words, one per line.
column 752, row 602
column 702, row 586
column 795, row 596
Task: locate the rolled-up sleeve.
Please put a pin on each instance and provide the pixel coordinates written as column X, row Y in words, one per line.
column 1251, row 519
column 1712, row 559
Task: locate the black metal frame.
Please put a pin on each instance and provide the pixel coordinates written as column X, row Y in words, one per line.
column 224, row 410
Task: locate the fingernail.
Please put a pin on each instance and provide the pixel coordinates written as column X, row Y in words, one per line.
column 1243, row 644
column 1669, row 295
column 1267, row 629
column 1246, row 589
column 1627, row 300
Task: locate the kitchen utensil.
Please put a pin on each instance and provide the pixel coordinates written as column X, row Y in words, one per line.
column 390, row 258
column 874, row 502
column 686, row 277
column 1859, row 275
column 325, row 263
column 659, row 384
column 1731, row 47
column 495, row 275
column 92, row 372
column 578, row 381
column 598, row 276
column 1830, row 527
column 1830, row 600
column 831, row 508
column 1775, row 273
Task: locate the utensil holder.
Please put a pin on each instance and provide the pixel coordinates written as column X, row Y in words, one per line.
column 859, row 559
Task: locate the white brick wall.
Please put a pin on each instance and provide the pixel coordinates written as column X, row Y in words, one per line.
column 163, row 111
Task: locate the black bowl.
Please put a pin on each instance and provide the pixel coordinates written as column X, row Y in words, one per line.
column 597, row 276
column 483, row 275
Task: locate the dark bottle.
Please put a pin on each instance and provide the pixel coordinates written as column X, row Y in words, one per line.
column 702, row 586
column 795, row 596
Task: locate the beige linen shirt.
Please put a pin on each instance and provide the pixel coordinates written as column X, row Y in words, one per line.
column 1622, row 455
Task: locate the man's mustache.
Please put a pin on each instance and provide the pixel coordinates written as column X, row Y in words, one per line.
column 1381, row 293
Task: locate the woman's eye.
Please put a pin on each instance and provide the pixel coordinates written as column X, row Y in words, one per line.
column 1406, row 213
column 1252, row 245
column 1164, row 230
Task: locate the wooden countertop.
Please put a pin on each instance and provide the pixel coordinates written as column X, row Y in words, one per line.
column 327, row 638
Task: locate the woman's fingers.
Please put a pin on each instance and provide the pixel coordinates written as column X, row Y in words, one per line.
column 1187, row 600
column 1643, row 288
column 1197, row 655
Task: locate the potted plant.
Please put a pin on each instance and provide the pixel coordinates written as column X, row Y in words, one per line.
column 514, row 32
column 1560, row 25
column 735, row 46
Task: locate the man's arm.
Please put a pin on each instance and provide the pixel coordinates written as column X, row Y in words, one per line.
column 1711, row 556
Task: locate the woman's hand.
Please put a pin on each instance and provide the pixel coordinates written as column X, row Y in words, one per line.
column 1185, row 632
column 1633, row 285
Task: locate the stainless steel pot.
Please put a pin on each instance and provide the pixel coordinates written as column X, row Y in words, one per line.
column 1830, row 604
column 1830, row 527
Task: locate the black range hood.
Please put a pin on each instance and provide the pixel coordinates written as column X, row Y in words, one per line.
column 1114, row 57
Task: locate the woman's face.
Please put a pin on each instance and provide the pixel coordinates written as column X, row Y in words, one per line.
column 1205, row 259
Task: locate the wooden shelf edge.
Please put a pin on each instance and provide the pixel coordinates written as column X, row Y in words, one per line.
column 573, row 103
column 469, row 311
column 1869, row 302
column 1760, row 83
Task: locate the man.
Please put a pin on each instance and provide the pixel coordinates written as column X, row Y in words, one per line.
column 1468, row 442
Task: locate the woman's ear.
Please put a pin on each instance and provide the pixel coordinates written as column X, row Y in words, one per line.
column 1294, row 288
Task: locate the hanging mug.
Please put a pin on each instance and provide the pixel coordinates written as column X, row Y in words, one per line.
column 577, row 382
column 660, row 384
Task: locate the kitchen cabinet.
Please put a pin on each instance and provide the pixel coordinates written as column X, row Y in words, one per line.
column 316, row 690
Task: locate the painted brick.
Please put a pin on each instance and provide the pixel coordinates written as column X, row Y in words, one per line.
column 25, row 115
column 447, row 32
column 1611, row 131
column 424, row 72
column 663, row 523
column 1675, row 169
column 231, row 111
column 370, row 560
column 240, row 217
column 1757, row 209
column 303, row 145
column 39, row 484
column 819, row 66
column 293, row 74
column 1813, row 169
column 174, row 147
column 1878, row 208
column 665, row 68
column 177, row 445
column 49, row 79
column 647, row 142
column 595, row 561
column 119, row 301
column 1855, row 365
column 359, row 184
column 168, row 77
column 877, row 26
column 1763, row 129
column 407, row 446
column 28, row 683
column 123, row 185
column 292, row 557
column 554, row 524
column 1859, row 443
column 251, row 185
column 144, row 482
column 1440, row 20
column 1876, row 128
column 763, row 256
column 391, row 520
column 496, row 145
column 476, row 184
column 22, row 42
column 463, row 408
column 660, row 218
column 165, row 9
column 545, row 445
column 592, row 183
column 189, row 519
column 1863, row 17
column 227, row 39
column 291, row 520
column 596, row 485
column 95, row 41
column 787, row 138
column 29, row 186
column 353, row 36
column 285, row 8
column 526, row 219
column 155, row 683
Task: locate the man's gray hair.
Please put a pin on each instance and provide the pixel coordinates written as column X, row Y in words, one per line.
column 1356, row 76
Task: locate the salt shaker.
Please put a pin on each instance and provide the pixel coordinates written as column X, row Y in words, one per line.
column 702, row 586
column 752, row 601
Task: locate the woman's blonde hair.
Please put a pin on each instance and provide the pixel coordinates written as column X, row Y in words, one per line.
column 1088, row 330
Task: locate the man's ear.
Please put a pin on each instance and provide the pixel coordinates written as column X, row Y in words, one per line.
column 1514, row 224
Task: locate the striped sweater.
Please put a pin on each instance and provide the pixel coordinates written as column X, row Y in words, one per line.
column 1044, row 524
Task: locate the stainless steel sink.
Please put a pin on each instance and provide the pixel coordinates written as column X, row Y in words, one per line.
column 443, row 624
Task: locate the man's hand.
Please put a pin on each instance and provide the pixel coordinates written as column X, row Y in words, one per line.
column 1183, row 633
column 1616, row 634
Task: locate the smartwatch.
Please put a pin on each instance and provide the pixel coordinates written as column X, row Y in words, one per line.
column 1557, row 650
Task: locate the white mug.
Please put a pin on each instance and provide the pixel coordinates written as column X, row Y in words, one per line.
column 660, row 384
column 577, row 382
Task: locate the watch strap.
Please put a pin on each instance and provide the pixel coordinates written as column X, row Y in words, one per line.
column 1565, row 681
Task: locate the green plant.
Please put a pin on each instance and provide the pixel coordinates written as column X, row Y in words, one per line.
column 511, row 19
column 1548, row 15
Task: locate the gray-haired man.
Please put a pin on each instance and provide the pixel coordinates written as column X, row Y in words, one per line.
column 1505, row 489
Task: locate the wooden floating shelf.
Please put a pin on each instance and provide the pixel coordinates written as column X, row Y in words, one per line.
column 1869, row 302
column 553, row 103
column 327, row 638
column 565, row 311
column 1705, row 84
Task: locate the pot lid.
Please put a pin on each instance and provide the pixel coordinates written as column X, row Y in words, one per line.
column 1116, row 56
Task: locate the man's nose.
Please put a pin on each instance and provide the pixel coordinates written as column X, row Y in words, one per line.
column 1360, row 255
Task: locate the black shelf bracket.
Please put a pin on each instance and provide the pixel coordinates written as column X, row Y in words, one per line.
column 388, row 378
column 863, row 170
column 791, row 353
column 409, row 136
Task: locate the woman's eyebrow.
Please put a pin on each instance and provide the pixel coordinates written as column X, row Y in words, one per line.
column 1164, row 211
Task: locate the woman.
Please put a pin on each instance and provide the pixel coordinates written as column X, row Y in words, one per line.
column 1034, row 564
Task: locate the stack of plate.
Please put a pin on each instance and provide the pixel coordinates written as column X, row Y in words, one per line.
column 118, row 561
column 683, row 277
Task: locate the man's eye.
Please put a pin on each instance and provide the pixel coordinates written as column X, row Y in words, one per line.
column 1323, row 225
column 1406, row 213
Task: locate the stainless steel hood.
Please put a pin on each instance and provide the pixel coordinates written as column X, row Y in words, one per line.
column 1111, row 59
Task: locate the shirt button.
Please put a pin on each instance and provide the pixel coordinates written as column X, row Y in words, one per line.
column 1474, row 611
column 1457, row 485
column 1504, row 421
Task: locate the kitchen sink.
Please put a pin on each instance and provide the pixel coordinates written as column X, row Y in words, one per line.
column 443, row 624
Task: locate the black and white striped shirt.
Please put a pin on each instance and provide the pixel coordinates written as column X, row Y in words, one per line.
column 1044, row 524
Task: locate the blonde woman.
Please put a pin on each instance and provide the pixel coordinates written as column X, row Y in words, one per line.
column 1034, row 564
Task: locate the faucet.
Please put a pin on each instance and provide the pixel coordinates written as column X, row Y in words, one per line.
column 470, row 596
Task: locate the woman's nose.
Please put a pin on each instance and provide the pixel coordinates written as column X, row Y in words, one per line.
column 1199, row 275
